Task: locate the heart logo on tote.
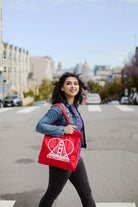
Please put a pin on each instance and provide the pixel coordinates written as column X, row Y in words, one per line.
column 60, row 149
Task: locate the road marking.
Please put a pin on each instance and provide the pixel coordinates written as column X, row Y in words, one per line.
column 27, row 109
column 7, row 203
column 94, row 108
column 124, row 108
column 115, row 204
column 4, row 109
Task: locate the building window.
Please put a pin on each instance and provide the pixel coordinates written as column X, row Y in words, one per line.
column 5, row 69
column 4, row 54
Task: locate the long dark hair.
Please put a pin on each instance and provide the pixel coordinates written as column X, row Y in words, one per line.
column 58, row 95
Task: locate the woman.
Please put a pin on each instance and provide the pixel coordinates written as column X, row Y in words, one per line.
column 70, row 92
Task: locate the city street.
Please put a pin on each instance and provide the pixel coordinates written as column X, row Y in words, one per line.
column 111, row 157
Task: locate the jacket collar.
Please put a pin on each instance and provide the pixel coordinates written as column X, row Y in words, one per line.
column 66, row 103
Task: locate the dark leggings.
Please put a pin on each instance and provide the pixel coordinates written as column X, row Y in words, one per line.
column 58, row 178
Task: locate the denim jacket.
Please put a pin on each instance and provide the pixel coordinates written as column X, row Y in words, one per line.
column 55, row 115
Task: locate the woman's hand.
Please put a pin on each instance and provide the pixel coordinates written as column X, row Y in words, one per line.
column 69, row 129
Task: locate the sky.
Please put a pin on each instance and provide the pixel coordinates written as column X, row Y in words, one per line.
column 101, row 32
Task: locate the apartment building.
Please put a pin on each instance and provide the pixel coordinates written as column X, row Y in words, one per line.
column 41, row 67
column 15, row 68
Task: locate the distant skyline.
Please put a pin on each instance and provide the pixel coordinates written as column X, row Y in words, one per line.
column 101, row 32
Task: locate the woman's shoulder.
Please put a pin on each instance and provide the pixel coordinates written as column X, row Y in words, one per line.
column 57, row 107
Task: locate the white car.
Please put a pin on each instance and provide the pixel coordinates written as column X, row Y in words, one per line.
column 114, row 102
column 93, row 98
column 39, row 103
column 124, row 100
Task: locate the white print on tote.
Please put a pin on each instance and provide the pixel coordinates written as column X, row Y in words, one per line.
column 60, row 149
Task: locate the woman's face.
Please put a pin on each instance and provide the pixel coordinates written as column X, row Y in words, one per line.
column 70, row 87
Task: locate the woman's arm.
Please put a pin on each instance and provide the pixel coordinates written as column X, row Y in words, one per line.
column 45, row 124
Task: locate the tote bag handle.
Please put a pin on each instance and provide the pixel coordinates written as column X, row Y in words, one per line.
column 62, row 107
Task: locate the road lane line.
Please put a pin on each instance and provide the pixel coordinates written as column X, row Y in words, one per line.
column 94, row 108
column 9, row 203
column 6, row 203
column 124, row 108
column 27, row 109
column 115, row 205
column 4, row 109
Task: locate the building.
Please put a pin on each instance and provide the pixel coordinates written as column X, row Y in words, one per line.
column 104, row 73
column 116, row 74
column 15, row 69
column 41, row 68
column 78, row 68
column 100, row 67
column 59, row 68
column 1, row 53
column 86, row 74
column 53, row 66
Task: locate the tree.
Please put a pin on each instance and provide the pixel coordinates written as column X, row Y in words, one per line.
column 36, row 97
column 94, row 87
column 115, row 91
column 46, row 89
column 129, row 73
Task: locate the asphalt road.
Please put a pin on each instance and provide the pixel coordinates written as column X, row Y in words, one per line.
column 111, row 157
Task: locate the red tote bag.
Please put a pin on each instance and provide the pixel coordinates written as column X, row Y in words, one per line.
column 62, row 152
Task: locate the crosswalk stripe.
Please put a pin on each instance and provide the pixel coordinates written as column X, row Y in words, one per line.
column 4, row 109
column 6, row 203
column 27, row 109
column 115, row 205
column 94, row 108
column 124, row 108
column 10, row 203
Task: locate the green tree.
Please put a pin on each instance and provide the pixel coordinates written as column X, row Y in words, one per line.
column 36, row 97
column 104, row 94
column 46, row 89
column 30, row 93
column 115, row 91
column 94, row 87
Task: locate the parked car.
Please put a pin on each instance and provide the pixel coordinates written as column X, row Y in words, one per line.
column 114, row 102
column 1, row 103
column 39, row 103
column 12, row 100
column 93, row 98
column 135, row 98
column 124, row 100
column 130, row 101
